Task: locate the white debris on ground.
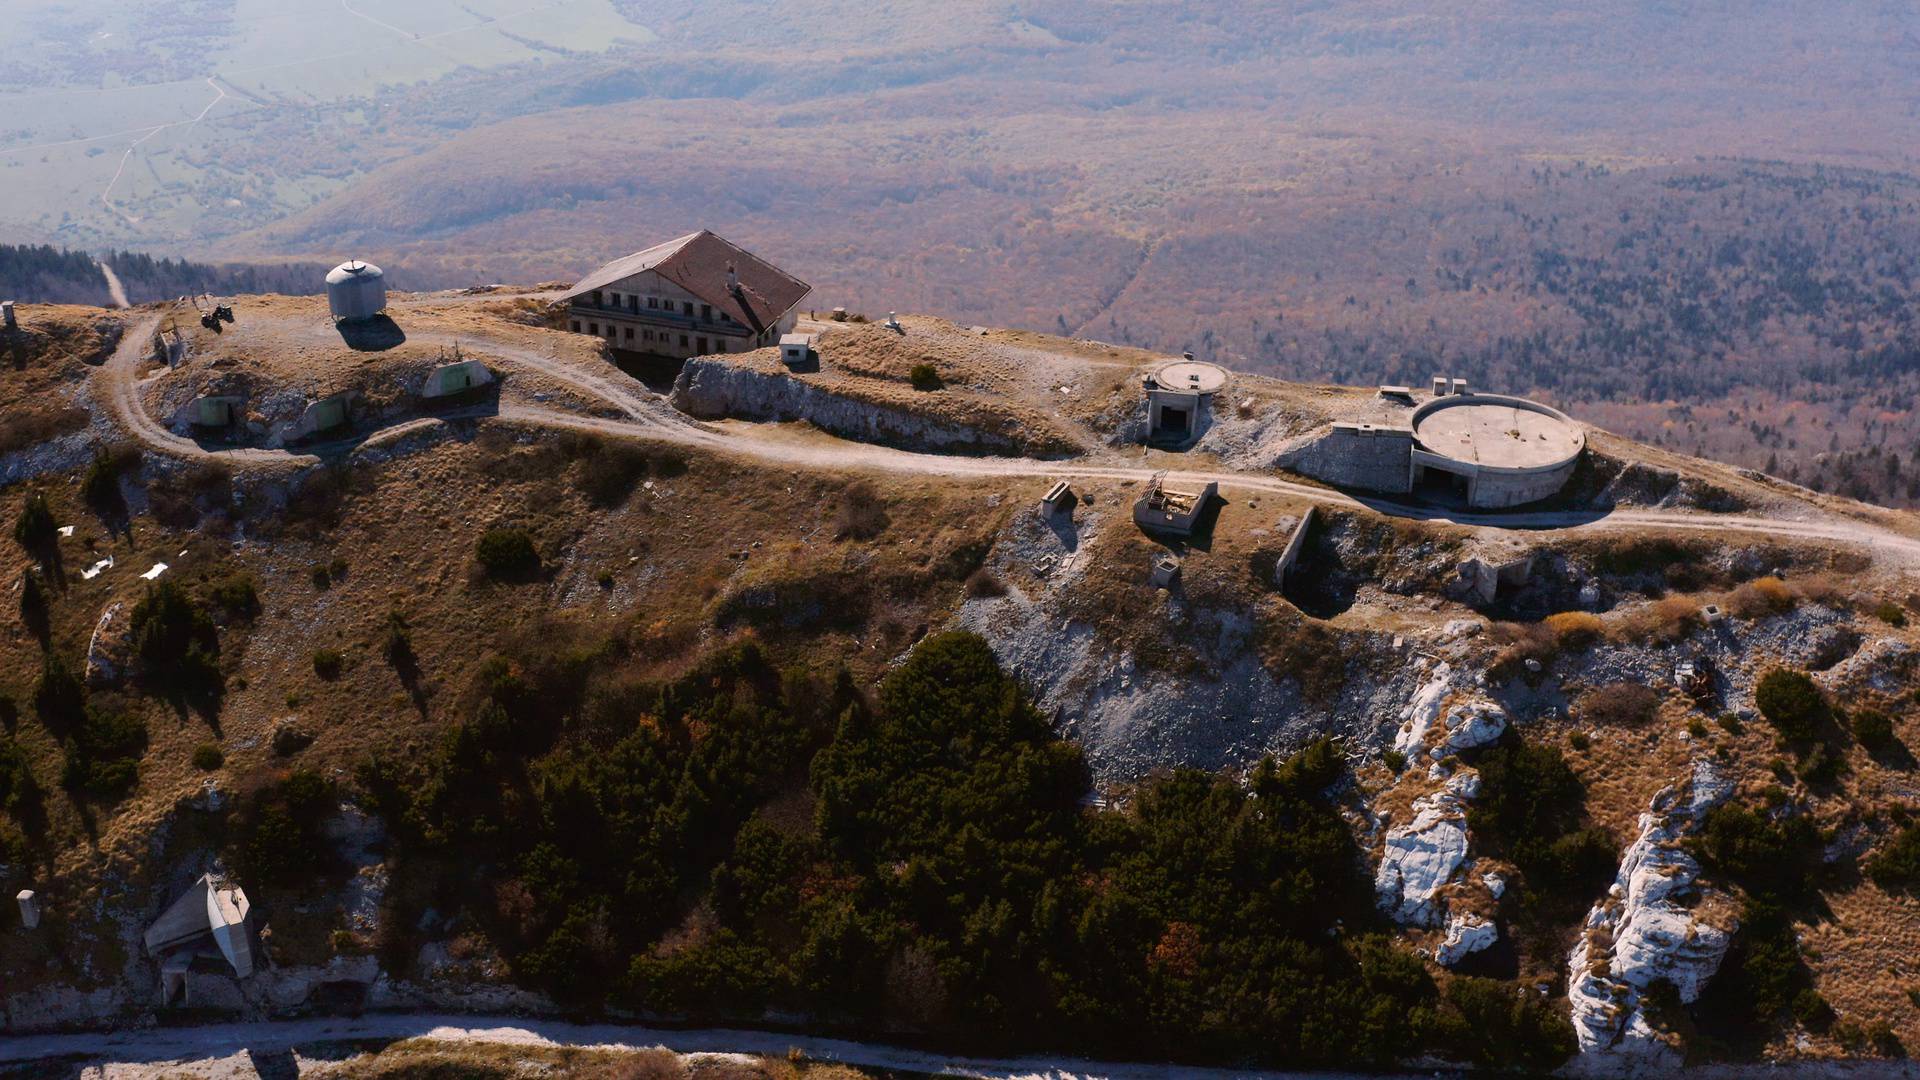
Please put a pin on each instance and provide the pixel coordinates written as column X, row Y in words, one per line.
column 1652, row 926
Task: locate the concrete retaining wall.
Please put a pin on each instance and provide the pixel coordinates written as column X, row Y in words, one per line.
column 714, row 389
column 1291, row 553
column 1357, row 456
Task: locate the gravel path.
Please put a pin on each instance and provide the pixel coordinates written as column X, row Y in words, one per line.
column 647, row 415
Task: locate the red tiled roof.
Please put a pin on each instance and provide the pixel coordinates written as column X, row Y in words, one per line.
column 698, row 262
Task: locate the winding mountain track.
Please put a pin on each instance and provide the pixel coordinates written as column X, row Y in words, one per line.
column 646, row 415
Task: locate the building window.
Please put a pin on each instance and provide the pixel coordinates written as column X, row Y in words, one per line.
column 653, row 301
column 633, row 304
column 576, row 326
column 593, row 328
column 702, row 343
column 646, row 335
column 596, row 298
column 706, row 311
column 629, row 333
column 686, row 307
column 616, row 299
column 683, row 341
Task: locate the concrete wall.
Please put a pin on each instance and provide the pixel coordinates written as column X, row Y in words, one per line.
column 1497, row 489
column 1357, row 456
column 1291, row 553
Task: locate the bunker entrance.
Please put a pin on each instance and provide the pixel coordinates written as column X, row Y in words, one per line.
column 654, row 371
column 1438, row 485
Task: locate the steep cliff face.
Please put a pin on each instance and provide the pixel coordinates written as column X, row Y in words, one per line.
column 715, row 389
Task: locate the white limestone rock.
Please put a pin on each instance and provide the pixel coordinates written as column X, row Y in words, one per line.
column 1470, row 721
column 1421, row 857
column 1423, row 711
column 1650, row 927
column 1466, row 935
column 1472, row 724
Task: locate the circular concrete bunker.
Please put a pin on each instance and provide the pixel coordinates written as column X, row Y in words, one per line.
column 1179, row 401
column 1496, row 451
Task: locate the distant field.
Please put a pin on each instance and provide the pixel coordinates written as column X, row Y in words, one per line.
column 1692, row 222
column 184, row 101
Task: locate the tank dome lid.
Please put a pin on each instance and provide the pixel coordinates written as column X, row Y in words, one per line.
column 352, row 270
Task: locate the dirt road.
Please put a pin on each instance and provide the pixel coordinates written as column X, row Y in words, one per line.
column 270, row 1042
column 646, row 415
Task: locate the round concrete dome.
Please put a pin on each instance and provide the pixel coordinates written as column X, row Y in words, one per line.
column 1508, row 450
column 1195, row 376
column 356, row 290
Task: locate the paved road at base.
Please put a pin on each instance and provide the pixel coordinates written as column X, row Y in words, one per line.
column 271, row 1039
column 646, row 415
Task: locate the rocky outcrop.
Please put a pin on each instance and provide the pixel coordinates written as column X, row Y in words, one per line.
column 1655, row 924
column 1467, row 933
column 1465, row 721
column 715, row 389
column 1424, row 856
column 110, row 650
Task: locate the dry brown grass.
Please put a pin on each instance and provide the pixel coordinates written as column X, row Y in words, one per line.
column 1665, row 620
column 1761, row 597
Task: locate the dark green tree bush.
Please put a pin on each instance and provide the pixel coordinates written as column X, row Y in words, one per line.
column 1792, row 703
column 508, row 554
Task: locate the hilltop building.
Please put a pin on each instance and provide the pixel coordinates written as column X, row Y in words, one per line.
column 210, row 925
column 692, row 296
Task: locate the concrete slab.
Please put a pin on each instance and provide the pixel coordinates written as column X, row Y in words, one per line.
column 1498, row 435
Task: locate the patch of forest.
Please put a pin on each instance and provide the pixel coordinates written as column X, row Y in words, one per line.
column 44, row 274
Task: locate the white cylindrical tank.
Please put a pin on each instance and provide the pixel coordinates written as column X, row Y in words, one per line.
column 356, row 290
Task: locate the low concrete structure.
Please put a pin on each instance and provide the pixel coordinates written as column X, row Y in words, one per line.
column 1180, row 400
column 455, row 378
column 324, row 415
column 7, row 318
column 217, row 410
column 1058, row 503
column 1290, row 554
column 1165, row 569
column 796, row 350
column 210, row 923
column 170, row 347
column 29, row 909
column 1172, row 512
column 1496, row 451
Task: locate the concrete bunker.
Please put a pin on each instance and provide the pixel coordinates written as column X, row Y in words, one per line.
column 1492, row 451
column 797, row 351
column 1180, row 401
column 1176, row 513
column 210, row 926
column 217, row 410
column 1058, row 503
column 454, row 378
column 322, row 416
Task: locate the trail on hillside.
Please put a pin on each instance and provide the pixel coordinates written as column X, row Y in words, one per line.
column 114, row 289
column 648, row 416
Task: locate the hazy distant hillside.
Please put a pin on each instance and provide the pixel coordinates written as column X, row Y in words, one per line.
column 1257, row 182
column 43, row 274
